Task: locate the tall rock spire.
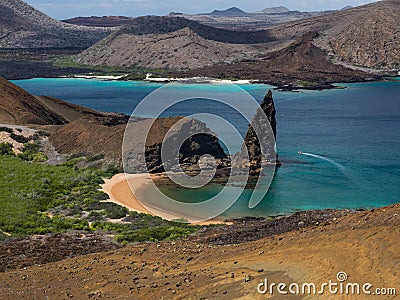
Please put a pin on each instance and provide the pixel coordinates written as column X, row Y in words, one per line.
column 261, row 147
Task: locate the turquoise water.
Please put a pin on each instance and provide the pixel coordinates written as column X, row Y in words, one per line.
column 351, row 134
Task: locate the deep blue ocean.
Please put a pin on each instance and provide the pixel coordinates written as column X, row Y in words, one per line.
column 352, row 136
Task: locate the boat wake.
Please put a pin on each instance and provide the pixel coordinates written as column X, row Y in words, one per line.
column 338, row 165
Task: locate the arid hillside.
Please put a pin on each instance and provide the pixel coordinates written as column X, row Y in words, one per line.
column 174, row 43
column 18, row 107
column 300, row 65
column 182, row 49
column 22, row 26
column 366, row 36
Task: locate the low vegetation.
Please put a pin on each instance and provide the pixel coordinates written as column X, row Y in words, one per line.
column 6, row 129
column 37, row 198
column 6, row 149
column 129, row 73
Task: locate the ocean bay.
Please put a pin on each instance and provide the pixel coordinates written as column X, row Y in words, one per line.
column 353, row 134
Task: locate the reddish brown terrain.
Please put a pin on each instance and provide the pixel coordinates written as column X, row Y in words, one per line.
column 301, row 64
column 17, row 106
column 364, row 245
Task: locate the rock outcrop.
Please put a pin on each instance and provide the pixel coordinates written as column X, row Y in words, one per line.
column 168, row 133
column 260, row 140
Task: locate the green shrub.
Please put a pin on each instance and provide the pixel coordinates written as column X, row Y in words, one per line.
column 30, row 152
column 6, row 129
column 111, row 210
column 95, row 157
column 43, row 133
column 29, row 190
column 6, row 149
column 19, row 138
column 155, row 234
column 95, row 216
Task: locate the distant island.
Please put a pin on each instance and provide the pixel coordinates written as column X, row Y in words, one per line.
column 281, row 53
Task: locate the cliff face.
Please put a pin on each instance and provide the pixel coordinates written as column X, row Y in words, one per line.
column 261, row 147
column 369, row 37
column 201, row 141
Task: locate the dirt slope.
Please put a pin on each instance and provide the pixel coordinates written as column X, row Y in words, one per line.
column 19, row 107
column 181, row 49
column 364, row 245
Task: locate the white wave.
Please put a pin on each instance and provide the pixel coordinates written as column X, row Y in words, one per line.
column 338, row 165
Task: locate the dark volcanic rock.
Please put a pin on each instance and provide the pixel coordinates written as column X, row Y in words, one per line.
column 251, row 229
column 261, row 147
column 42, row 249
column 104, row 21
column 185, row 139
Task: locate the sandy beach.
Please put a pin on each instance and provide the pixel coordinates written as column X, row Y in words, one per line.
column 197, row 80
column 123, row 190
column 109, row 77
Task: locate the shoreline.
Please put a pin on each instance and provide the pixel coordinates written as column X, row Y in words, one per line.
column 280, row 86
column 123, row 193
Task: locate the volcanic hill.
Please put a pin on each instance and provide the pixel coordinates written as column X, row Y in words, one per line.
column 366, row 36
column 172, row 43
column 22, row 26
